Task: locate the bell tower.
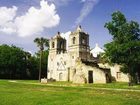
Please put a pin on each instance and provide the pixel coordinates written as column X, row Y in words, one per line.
column 79, row 44
column 57, row 44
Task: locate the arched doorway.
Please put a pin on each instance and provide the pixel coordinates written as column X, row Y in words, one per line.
column 60, row 76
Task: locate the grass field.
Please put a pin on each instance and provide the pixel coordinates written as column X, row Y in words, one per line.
column 33, row 93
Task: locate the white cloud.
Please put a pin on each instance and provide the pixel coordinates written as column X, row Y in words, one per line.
column 7, row 16
column 59, row 2
column 32, row 22
column 35, row 20
column 66, row 36
column 83, row 0
column 7, row 30
column 87, row 8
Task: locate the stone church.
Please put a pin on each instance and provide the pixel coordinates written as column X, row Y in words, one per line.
column 71, row 60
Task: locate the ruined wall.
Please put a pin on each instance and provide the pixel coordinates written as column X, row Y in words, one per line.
column 82, row 74
column 116, row 74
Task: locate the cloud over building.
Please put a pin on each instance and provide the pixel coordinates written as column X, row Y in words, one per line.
column 34, row 21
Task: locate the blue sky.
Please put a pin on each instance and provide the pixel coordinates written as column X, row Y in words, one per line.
column 92, row 15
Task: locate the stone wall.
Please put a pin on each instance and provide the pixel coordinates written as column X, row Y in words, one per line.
column 116, row 74
column 58, row 66
column 82, row 74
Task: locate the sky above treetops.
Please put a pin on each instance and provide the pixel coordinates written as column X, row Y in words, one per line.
column 21, row 21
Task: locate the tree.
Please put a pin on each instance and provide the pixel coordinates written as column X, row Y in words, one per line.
column 17, row 64
column 41, row 43
column 125, row 46
column 44, row 62
column 32, row 67
column 12, row 62
column 45, row 54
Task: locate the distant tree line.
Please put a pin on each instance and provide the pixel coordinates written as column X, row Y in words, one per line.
column 18, row 64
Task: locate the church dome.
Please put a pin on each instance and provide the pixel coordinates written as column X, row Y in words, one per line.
column 96, row 51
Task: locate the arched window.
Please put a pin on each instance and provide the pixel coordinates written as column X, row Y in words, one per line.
column 73, row 40
column 61, row 45
column 52, row 44
column 83, row 41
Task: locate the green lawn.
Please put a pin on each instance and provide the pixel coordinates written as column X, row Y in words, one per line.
column 33, row 93
column 114, row 85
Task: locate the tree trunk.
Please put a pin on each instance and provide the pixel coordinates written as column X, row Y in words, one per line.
column 130, row 76
column 40, row 66
column 130, row 79
column 139, row 76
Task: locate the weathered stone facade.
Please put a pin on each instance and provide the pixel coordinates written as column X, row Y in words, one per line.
column 74, row 63
column 116, row 74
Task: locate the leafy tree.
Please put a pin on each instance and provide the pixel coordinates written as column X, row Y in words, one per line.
column 44, row 62
column 41, row 43
column 17, row 64
column 32, row 67
column 12, row 62
column 125, row 46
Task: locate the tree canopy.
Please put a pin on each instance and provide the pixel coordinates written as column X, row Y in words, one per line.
column 41, row 43
column 125, row 46
column 17, row 64
column 12, row 62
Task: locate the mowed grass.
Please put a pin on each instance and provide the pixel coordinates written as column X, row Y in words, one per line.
column 113, row 85
column 33, row 93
